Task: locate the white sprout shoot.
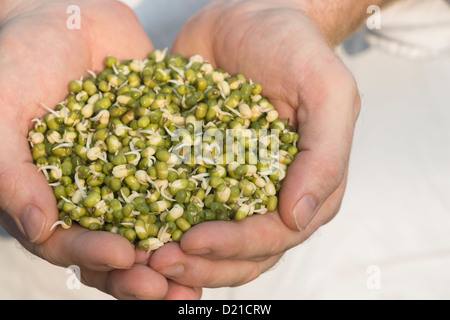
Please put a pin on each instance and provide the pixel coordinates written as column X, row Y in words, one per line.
column 53, row 137
column 274, row 156
column 122, row 85
column 142, row 64
column 198, row 201
column 134, row 195
column 38, row 121
column 242, row 200
column 95, row 173
column 138, row 156
column 57, row 172
column 56, row 114
column 114, row 229
column 92, row 73
column 176, row 82
column 179, row 71
column 277, row 167
column 179, row 146
column 169, row 132
column 54, row 184
column 200, row 176
column 153, row 184
column 208, row 190
column 47, row 177
column 163, row 235
column 65, row 199
column 119, row 130
column 66, row 114
column 64, row 145
column 135, row 213
column 160, row 55
column 59, row 222
column 260, row 211
column 146, row 131
column 101, row 206
column 219, row 111
column 116, row 72
column 166, row 111
column 154, row 243
column 128, row 223
column 101, row 115
column 234, row 111
column 89, row 140
column 265, row 109
column 163, row 193
column 194, row 59
column 124, row 197
column 77, row 182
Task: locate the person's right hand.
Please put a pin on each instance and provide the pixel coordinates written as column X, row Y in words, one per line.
column 39, row 56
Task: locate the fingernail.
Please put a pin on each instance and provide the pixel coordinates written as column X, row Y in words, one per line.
column 304, row 211
column 33, row 222
column 174, row 271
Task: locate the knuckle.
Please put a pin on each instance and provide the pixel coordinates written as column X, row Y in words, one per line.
column 330, row 173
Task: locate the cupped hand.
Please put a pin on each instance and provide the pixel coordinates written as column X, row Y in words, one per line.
column 277, row 44
column 40, row 53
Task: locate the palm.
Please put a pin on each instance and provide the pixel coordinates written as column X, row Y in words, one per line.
column 279, row 47
column 37, row 67
column 44, row 60
column 276, row 46
column 270, row 58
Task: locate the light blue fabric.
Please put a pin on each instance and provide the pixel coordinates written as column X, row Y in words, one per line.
column 163, row 19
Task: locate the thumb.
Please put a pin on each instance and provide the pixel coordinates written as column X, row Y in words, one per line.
column 315, row 181
column 25, row 196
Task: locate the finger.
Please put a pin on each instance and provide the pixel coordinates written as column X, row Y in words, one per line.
column 178, row 291
column 254, row 238
column 99, row 250
column 24, row 192
column 326, row 121
column 197, row 271
column 138, row 282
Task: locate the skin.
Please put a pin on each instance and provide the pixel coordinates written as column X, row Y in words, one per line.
column 304, row 79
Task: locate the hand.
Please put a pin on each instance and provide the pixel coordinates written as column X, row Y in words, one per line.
column 277, row 44
column 39, row 56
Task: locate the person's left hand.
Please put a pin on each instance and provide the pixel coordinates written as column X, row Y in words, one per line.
column 279, row 46
column 39, row 56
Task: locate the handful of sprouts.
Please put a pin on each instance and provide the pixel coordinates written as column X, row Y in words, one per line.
column 149, row 148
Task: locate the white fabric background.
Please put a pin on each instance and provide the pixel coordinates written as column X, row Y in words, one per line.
column 395, row 218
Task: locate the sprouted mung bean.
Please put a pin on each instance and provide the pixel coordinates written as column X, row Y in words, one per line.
column 149, row 148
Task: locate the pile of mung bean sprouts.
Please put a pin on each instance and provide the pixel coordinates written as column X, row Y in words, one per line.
column 149, row 148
